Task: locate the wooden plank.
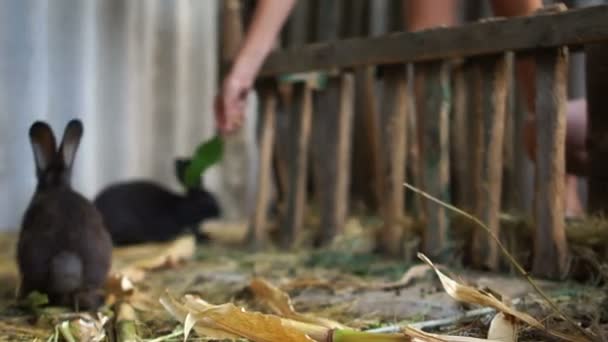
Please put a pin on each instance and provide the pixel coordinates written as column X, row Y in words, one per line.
column 433, row 125
column 550, row 248
column 332, row 147
column 259, row 226
column 281, row 149
column 520, row 161
column 299, row 125
column 493, row 94
column 369, row 106
column 458, row 137
column 509, row 193
column 597, row 128
column 366, row 163
column 572, row 28
column 297, row 33
column 393, row 123
column 414, row 166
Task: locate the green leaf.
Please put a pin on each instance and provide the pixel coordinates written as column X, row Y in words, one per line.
column 207, row 154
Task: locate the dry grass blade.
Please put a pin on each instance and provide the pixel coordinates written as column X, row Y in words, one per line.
column 511, row 259
column 503, row 328
column 280, row 303
column 227, row 321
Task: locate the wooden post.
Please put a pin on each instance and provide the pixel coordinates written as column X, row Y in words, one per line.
column 597, row 127
column 393, row 122
column 489, row 137
column 458, row 137
column 433, row 121
column 297, row 33
column 332, row 148
column 366, row 160
column 413, row 170
column 367, row 163
column 550, row 249
column 299, row 126
column 258, row 229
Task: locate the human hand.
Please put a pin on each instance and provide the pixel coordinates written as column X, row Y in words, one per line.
column 230, row 104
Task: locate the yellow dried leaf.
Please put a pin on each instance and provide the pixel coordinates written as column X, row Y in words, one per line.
column 179, row 311
column 280, row 303
column 503, row 328
column 227, row 321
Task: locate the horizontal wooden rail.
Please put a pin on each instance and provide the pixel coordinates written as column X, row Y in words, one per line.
column 572, row 28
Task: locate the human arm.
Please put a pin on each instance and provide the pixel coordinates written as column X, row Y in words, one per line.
column 267, row 21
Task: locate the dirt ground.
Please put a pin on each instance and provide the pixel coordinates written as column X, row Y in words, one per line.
column 344, row 283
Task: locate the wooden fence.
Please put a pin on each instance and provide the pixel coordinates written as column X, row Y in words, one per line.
column 321, row 80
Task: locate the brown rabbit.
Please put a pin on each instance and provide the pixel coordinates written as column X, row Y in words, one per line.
column 64, row 250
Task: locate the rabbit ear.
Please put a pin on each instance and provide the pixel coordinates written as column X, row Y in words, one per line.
column 43, row 144
column 70, row 142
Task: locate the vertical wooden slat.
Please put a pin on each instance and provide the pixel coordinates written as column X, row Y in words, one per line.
column 596, row 70
column 493, row 94
column 299, row 126
column 332, row 132
column 281, row 150
column 268, row 106
column 369, row 105
column 550, row 248
column 433, row 127
column 459, row 135
column 332, row 147
column 296, row 33
column 414, row 166
column 366, row 163
column 393, row 122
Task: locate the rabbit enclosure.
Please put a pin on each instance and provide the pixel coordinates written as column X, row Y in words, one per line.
column 467, row 146
column 416, row 126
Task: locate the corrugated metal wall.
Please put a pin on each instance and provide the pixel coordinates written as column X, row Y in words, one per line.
column 140, row 73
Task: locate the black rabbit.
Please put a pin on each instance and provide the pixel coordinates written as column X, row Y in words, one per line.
column 144, row 211
column 64, row 250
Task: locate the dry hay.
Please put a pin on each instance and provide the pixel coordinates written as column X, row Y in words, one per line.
column 343, row 282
